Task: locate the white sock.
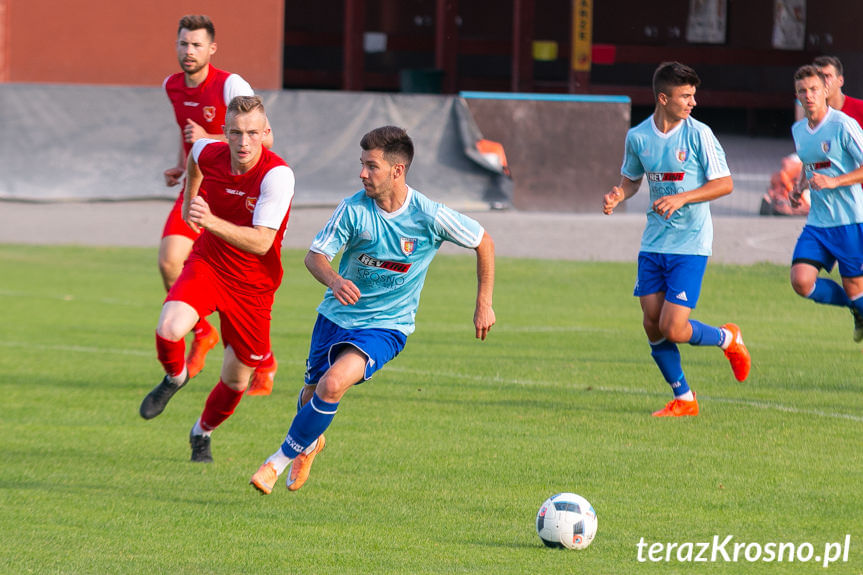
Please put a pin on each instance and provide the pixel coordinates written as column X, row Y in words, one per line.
column 686, row 396
column 726, row 340
column 198, row 430
column 311, row 447
column 180, row 377
column 280, row 461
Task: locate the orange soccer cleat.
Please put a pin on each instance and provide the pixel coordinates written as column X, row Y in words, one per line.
column 265, row 478
column 678, row 408
column 263, row 379
column 302, row 465
column 737, row 353
column 201, row 345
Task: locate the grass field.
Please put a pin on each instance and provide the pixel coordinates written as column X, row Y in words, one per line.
column 439, row 463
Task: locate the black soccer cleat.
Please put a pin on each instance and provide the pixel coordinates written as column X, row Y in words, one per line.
column 200, row 448
column 858, row 324
column 158, row 398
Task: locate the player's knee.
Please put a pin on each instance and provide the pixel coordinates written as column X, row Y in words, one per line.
column 331, row 388
column 801, row 285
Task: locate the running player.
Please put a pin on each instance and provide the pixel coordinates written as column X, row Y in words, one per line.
column 199, row 95
column 235, row 266
column 830, row 145
column 389, row 233
column 686, row 169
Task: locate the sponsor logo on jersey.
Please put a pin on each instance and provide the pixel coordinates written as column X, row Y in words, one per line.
column 250, row 203
column 408, row 245
column 818, row 166
column 825, row 146
column 682, row 296
column 682, row 154
column 235, row 192
column 398, row 267
column 665, row 176
column 191, row 104
column 209, row 113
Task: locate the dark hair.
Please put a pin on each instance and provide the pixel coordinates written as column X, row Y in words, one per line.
column 197, row 22
column 394, row 142
column 822, row 61
column 809, row 71
column 244, row 105
column 672, row 74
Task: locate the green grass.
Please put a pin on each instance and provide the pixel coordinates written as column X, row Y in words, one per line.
column 440, row 462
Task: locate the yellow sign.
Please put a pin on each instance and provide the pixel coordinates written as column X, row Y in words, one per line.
column 582, row 26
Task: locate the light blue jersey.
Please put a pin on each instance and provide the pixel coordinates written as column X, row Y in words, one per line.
column 684, row 159
column 387, row 256
column 833, row 147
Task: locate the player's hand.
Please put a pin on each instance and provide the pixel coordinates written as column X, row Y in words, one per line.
column 192, row 132
column 667, row 205
column 611, row 199
column 483, row 319
column 794, row 195
column 199, row 215
column 821, row 182
column 173, row 176
column 345, row 291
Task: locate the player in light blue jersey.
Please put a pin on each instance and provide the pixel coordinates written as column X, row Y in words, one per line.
column 388, row 234
column 685, row 168
column 830, row 145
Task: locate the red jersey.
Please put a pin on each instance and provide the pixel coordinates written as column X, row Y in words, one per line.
column 205, row 104
column 233, row 198
column 854, row 108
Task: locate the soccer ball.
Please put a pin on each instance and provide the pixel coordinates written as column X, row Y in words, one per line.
column 566, row 520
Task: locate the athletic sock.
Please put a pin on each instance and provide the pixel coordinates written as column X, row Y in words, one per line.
column 311, row 421
column 202, row 328
column 267, row 362
column 172, row 356
column 703, row 334
column 198, row 430
column 220, row 404
column 667, row 358
column 280, row 461
column 829, row 292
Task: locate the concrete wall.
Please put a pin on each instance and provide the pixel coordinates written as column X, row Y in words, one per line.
column 564, row 151
column 132, row 42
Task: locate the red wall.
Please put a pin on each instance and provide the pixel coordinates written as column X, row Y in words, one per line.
column 132, row 42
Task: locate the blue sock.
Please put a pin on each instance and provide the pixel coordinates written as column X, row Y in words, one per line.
column 829, row 292
column 703, row 334
column 311, row 421
column 857, row 303
column 667, row 358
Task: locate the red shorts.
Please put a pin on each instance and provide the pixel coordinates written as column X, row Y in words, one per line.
column 244, row 318
column 175, row 225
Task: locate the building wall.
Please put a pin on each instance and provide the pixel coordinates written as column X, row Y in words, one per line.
column 130, row 42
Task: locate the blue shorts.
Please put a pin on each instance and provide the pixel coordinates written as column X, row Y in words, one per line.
column 823, row 247
column 678, row 276
column 328, row 339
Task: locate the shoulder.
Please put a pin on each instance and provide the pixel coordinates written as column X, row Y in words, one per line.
column 697, row 127
column 207, row 151
column 172, row 81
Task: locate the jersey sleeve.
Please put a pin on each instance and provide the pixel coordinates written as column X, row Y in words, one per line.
column 632, row 167
column 236, row 86
column 277, row 191
column 199, row 146
column 335, row 233
column 712, row 156
column 458, row 228
column 853, row 136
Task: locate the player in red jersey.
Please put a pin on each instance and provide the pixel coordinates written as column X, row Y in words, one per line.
column 834, row 75
column 199, row 95
column 234, row 266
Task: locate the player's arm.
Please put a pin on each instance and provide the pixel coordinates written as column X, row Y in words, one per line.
column 619, row 193
column 194, row 177
column 253, row 239
column 716, row 188
column 344, row 290
column 173, row 175
column 483, row 316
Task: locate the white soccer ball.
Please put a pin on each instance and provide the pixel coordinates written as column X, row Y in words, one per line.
column 566, row 520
